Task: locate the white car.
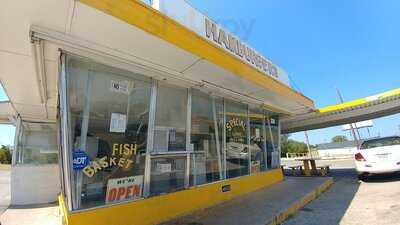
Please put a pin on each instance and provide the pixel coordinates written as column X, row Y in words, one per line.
column 240, row 151
column 377, row 156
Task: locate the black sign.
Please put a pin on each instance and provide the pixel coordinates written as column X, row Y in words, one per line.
column 226, row 188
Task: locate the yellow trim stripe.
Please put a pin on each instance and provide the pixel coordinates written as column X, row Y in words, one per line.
column 159, row 209
column 63, row 210
column 360, row 101
column 137, row 13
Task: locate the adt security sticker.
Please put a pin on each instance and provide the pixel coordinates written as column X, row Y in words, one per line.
column 80, row 159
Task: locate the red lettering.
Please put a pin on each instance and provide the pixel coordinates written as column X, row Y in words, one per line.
column 136, row 190
column 112, row 194
column 128, row 191
column 121, row 192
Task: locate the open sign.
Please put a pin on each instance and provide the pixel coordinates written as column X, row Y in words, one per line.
column 122, row 189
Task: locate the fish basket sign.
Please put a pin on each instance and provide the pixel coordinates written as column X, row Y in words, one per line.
column 122, row 156
column 122, row 189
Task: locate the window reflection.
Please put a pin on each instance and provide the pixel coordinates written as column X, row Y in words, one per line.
column 170, row 124
column 108, row 121
column 274, row 122
column 273, row 142
column 167, row 174
column 37, row 143
column 237, row 157
column 168, row 166
column 108, row 113
column 257, row 140
column 206, row 138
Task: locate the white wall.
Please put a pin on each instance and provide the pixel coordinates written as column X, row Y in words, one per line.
column 337, row 152
column 34, row 184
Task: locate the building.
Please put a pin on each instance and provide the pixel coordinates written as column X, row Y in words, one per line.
column 337, row 149
column 135, row 114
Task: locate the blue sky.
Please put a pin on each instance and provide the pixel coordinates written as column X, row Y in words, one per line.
column 6, row 131
column 351, row 45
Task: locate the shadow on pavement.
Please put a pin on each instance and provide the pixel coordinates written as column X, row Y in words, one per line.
column 331, row 206
column 382, row 178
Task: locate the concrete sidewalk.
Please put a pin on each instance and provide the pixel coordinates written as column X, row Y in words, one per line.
column 267, row 206
column 31, row 215
column 4, row 188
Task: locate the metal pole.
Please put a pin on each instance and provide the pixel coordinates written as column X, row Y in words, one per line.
column 83, row 138
column 189, row 149
column 150, row 138
column 217, row 135
column 351, row 125
column 66, row 137
column 224, row 139
column 358, row 131
column 264, row 130
column 308, row 144
column 248, row 140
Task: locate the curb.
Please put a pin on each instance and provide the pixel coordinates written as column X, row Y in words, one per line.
column 296, row 206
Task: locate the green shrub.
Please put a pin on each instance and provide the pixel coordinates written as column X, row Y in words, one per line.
column 5, row 155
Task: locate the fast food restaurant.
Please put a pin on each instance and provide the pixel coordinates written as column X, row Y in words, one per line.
column 134, row 113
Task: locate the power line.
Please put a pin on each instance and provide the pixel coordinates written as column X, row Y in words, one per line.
column 294, row 84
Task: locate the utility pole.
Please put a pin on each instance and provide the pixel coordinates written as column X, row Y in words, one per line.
column 308, row 144
column 351, row 124
column 369, row 132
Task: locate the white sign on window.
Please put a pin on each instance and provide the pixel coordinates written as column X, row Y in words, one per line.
column 118, row 123
column 120, row 86
column 164, row 167
column 258, row 133
column 122, row 189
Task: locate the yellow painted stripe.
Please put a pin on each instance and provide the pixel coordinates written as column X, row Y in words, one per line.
column 360, row 101
column 63, row 210
column 139, row 14
column 165, row 207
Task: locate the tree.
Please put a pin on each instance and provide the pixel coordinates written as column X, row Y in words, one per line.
column 339, row 138
column 5, row 155
column 292, row 146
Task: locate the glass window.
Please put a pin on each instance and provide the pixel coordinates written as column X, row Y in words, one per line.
column 237, row 158
column 275, row 138
column 171, row 114
column 168, row 166
column 382, row 142
column 275, row 131
column 167, row 173
column 269, row 140
column 108, row 111
column 257, row 141
column 206, row 138
column 37, row 143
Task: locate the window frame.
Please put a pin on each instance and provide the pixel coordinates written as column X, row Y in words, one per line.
column 65, row 137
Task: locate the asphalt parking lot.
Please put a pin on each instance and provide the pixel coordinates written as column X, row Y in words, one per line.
column 4, row 189
column 352, row 202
